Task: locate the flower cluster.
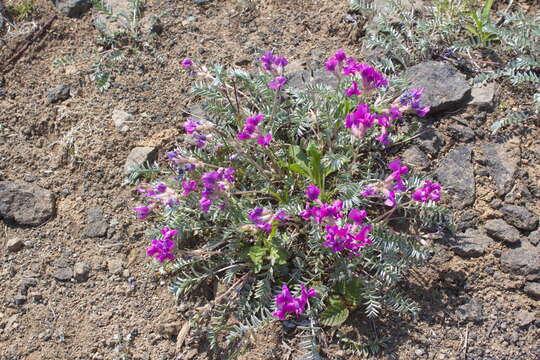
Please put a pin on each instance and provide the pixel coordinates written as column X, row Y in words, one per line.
column 215, row 184
column 159, row 194
column 274, row 65
column 338, row 238
column 251, row 131
column 286, row 303
column 410, row 102
column 161, row 249
column 264, row 218
column 340, row 65
column 390, row 185
column 194, row 128
column 182, row 163
column 429, row 191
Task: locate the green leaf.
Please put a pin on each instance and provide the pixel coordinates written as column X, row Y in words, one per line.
column 304, row 171
column 335, row 314
column 485, row 11
column 315, row 165
column 256, row 254
column 471, row 29
column 278, row 256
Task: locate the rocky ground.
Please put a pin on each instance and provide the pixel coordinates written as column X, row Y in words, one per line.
column 75, row 280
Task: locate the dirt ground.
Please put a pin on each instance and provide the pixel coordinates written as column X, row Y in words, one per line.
column 72, row 148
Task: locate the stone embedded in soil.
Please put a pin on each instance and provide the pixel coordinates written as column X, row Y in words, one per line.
column 533, row 290
column 25, row 284
column 25, row 204
column 520, row 217
column 467, row 219
column 170, row 329
column 81, row 271
column 525, row 318
column 14, row 244
column 414, row 157
column 96, row 226
column 483, row 96
column 118, row 19
column 472, row 311
column 445, row 88
column 534, row 237
column 121, row 119
column 72, row 8
column 470, row 244
column 498, row 229
column 63, row 274
column 461, row 133
column 115, row 266
column 430, row 140
column 524, row 260
column 60, row 93
column 456, row 174
column 19, row 300
column 139, row 156
column 501, row 165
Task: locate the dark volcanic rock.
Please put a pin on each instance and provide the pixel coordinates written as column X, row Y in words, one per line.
column 72, row 8
column 63, row 274
column 501, row 166
column 60, row 93
column 534, row 237
column 520, row 217
column 96, row 226
column 445, row 88
column 431, row 140
column 524, row 260
column 500, row 230
column 461, row 133
column 472, row 243
column 414, row 157
column 456, row 174
column 26, row 204
column 483, row 97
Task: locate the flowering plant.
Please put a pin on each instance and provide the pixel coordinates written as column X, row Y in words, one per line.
column 278, row 188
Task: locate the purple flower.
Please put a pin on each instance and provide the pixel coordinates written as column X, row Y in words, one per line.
column 277, row 83
column 357, row 216
column 397, row 171
column 243, row 136
column 264, row 140
column 371, row 78
column 312, row 192
column 273, row 64
column 200, row 140
column 268, row 60
column 429, row 191
column 331, row 64
column 187, row 62
column 340, row 55
column 360, row 120
column 228, row 174
column 281, row 216
column 286, row 303
column 191, row 125
column 353, row 90
column 161, row 248
column 255, row 215
column 281, row 62
column 205, row 204
column 161, row 188
column 411, row 101
column 142, row 212
column 188, row 187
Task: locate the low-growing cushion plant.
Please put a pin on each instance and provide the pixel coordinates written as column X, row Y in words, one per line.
column 293, row 200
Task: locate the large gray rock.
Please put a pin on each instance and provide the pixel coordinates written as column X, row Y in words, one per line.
column 471, row 311
column 414, row 157
column 524, row 260
column 520, row 217
column 471, row 244
column 461, row 133
column 501, row 165
column 498, row 229
column 72, row 8
column 456, row 174
column 26, row 204
column 445, row 88
column 139, row 156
